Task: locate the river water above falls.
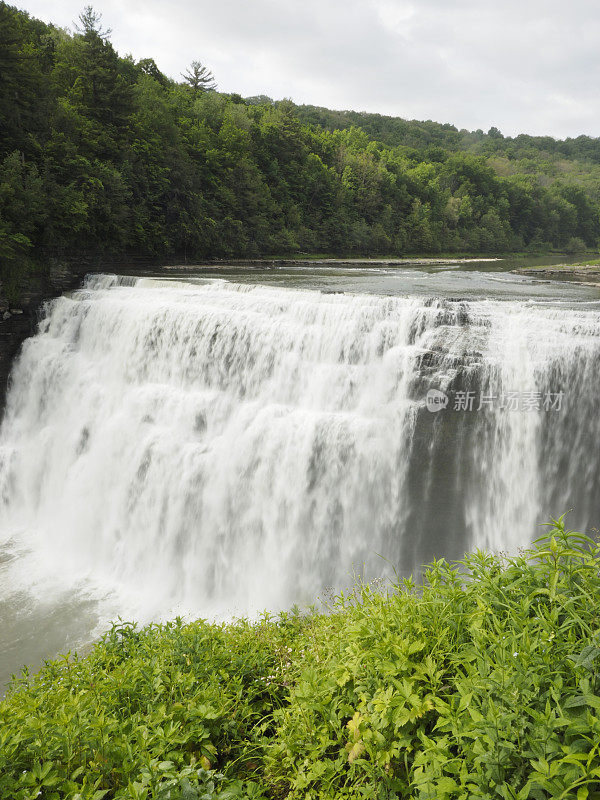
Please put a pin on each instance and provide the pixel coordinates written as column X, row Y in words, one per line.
column 228, row 441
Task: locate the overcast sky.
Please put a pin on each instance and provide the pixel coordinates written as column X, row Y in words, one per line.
column 527, row 66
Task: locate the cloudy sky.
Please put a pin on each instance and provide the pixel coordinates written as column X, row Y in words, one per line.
column 522, row 65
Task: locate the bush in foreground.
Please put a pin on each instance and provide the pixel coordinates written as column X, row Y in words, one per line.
column 482, row 683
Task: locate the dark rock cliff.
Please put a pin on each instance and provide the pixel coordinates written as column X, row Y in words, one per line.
column 19, row 319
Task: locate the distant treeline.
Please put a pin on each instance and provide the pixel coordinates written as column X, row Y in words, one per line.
column 104, row 156
column 394, row 131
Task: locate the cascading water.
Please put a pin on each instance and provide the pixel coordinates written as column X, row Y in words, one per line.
column 218, row 447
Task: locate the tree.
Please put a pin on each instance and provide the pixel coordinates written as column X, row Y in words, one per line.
column 25, row 93
column 494, row 133
column 90, row 23
column 98, row 81
column 148, row 67
column 199, row 78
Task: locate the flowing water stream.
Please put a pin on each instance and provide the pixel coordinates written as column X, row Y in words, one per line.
column 216, row 446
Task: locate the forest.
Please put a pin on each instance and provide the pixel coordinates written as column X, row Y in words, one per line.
column 103, row 156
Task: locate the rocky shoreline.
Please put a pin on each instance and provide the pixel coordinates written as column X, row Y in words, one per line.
column 579, row 273
column 266, row 263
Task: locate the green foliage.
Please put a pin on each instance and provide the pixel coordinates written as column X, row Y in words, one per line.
column 483, row 682
column 159, row 713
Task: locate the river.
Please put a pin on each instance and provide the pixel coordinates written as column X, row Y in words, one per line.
column 216, row 441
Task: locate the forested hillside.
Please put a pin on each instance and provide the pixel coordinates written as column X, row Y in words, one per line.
column 394, row 131
column 103, row 156
column 572, row 161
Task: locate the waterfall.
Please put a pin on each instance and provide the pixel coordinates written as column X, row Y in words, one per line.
column 221, row 447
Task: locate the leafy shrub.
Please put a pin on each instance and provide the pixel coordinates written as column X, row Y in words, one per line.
column 575, row 245
column 149, row 713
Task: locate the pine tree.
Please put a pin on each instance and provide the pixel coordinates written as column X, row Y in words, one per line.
column 199, row 78
column 101, row 86
column 90, row 24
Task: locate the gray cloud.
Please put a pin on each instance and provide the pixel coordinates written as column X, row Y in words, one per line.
column 523, row 65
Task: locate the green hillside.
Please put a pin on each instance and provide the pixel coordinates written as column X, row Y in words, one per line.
column 102, row 156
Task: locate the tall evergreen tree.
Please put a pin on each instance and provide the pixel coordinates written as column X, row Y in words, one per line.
column 100, row 85
column 199, row 78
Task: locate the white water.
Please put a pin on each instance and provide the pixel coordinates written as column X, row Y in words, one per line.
column 220, row 448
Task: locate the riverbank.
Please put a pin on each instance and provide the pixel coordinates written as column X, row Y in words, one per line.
column 582, row 272
column 483, row 682
column 265, row 263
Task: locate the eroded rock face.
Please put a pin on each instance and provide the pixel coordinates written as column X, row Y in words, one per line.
column 18, row 320
column 14, row 328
